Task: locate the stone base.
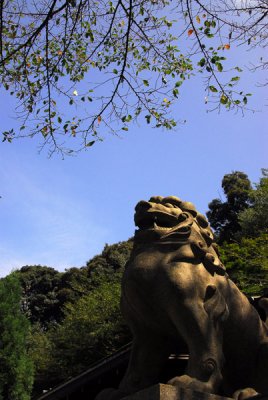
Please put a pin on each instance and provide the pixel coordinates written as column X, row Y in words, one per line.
column 168, row 392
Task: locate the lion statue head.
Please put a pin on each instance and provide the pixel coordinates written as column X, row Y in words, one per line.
column 171, row 221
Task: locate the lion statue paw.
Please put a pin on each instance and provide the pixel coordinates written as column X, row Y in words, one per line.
column 243, row 394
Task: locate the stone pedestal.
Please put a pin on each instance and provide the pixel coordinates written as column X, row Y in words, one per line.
column 168, row 392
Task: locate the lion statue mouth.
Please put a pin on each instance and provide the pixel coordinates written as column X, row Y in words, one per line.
column 167, row 218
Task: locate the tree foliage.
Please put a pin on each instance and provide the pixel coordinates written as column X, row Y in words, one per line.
column 16, row 368
column 75, row 315
column 40, row 287
column 92, row 329
column 132, row 56
column 241, row 224
column 109, row 265
column 45, row 291
column 247, row 263
column 254, row 220
column 41, row 354
column 223, row 216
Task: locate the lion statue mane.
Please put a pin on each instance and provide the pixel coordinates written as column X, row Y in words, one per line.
column 175, row 289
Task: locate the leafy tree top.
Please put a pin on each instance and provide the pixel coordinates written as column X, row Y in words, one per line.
column 223, row 216
column 236, row 187
column 132, row 56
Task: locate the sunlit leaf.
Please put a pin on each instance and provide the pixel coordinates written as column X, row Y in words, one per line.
column 213, row 89
column 224, row 99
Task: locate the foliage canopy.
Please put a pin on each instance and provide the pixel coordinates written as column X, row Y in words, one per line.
column 132, row 58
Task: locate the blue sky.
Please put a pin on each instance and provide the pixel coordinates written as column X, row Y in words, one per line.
column 61, row 213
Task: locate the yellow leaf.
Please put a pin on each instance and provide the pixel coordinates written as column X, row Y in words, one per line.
column 59, row 52
column 227, row 46
column 198, row 19
column 190, row 32
column 99, row 119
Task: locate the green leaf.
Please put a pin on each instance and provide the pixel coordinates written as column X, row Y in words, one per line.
column 89, row 144
column 213, row 89
column 178, row 83
column 145, row 82
column 148, row 118
column 175, row 92
column 202, row 62
column 224, row 99
column 213, row 24
column 219, row 67
column 235, row 78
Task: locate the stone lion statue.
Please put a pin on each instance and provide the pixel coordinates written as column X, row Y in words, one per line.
column 175, row 288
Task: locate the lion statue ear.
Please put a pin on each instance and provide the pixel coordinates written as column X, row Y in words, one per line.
column 215, row 304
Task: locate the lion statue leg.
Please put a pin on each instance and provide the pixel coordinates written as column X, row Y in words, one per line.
column 149, row 352
column 203, row 334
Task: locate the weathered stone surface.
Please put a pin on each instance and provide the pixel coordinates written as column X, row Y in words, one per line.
column 168, row 392
column 175, row 288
